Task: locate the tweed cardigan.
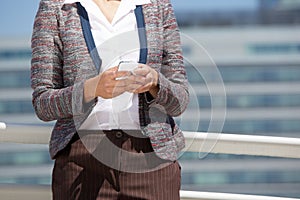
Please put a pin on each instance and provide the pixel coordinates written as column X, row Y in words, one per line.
column 61, row 63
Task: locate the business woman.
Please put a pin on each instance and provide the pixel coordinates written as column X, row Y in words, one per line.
column 114, row 137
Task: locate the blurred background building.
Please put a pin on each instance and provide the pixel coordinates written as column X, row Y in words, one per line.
column 256, row 50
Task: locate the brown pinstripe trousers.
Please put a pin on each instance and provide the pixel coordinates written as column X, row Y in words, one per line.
column 113, row 165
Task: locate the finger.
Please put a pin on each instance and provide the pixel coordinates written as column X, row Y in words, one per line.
column 148, row 79
column 142, row 65
column 129, row 80
column 111, row 71
column 122, row 74
column 109, row 74
column 115, row 68
column 133, row 88
column 121, row 82
column 119, row 88
column 136, row 79
column 141, row 71
column 139, row 91
column 142, row 89
column 111, row 91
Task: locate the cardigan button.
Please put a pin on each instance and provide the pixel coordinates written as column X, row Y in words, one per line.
column 119, row 135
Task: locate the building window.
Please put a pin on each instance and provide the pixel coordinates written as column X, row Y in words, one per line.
column 15, row 54
column 274, row 48
column 15, row 79
column 244, row 74
column 16, row 107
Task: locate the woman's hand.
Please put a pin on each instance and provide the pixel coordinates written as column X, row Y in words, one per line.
column 150, row 76
column 112, row 83
column 104, row 85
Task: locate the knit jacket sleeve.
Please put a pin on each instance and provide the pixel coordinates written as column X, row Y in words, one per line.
column 173, row 92
column 51, row 98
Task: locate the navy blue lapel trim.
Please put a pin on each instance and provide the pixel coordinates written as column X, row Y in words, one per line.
column 86, row 29
column 142, row 34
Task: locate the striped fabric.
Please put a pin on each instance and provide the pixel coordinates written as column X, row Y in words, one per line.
column 61, row 63
column 77, row 175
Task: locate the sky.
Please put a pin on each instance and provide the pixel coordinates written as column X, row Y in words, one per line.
column 17, row 16
column 214, row 4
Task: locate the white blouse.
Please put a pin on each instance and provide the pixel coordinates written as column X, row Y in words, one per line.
column 116, row 41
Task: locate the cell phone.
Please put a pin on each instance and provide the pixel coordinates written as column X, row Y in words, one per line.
column 127, row 66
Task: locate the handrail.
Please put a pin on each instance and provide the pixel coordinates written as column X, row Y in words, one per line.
column 219, row 142
column 190, row 195
column 25, row 134
column 243, row 144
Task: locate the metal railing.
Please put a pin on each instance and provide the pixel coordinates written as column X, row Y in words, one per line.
column 195, row 142
column 191, row 195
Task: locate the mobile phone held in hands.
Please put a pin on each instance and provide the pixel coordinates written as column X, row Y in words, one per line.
column 127, row 66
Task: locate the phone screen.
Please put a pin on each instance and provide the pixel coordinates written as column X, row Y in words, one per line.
column 127, row 66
